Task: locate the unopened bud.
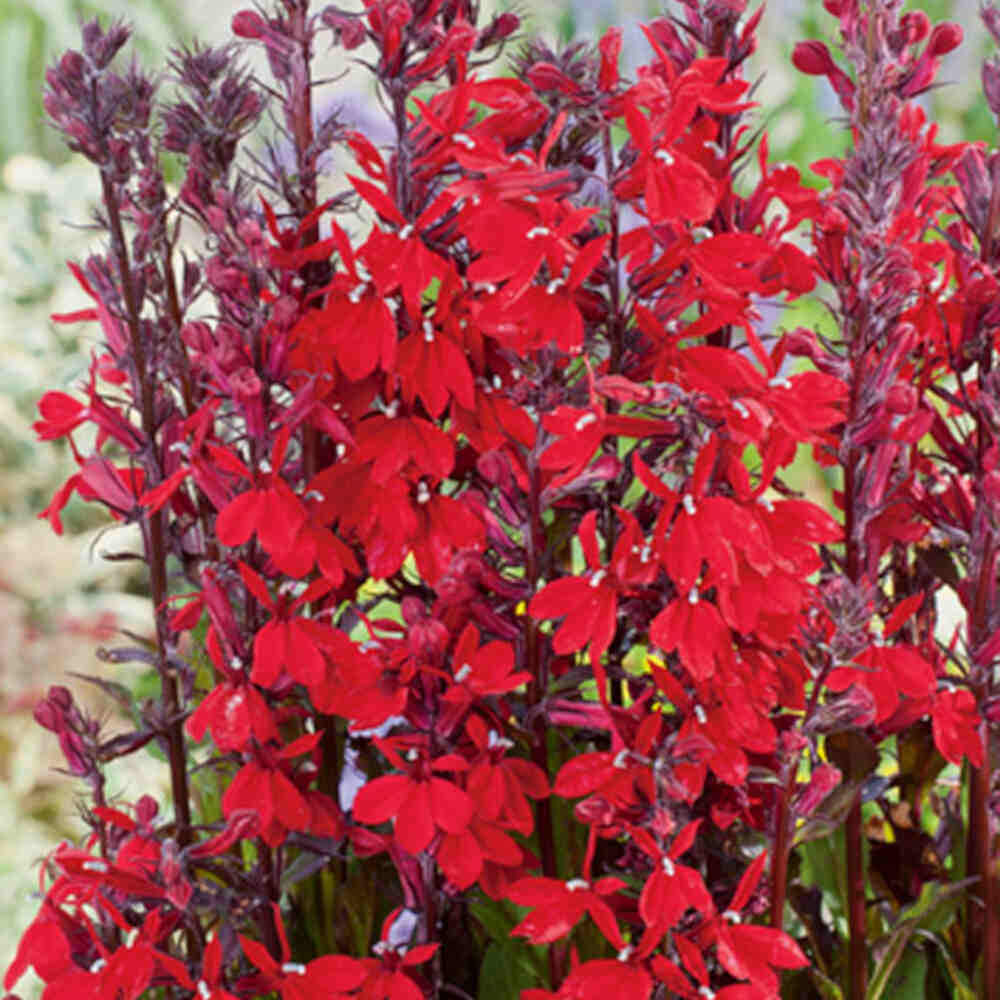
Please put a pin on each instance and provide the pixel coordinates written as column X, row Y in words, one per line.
column 249, row 24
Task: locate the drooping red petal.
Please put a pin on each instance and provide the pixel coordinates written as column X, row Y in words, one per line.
column 239, row 519
column 414, row 829
column 461, row 859
column 381, row 799
column 451, row 807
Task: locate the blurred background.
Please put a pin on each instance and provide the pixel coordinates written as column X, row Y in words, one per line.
column 59, row 600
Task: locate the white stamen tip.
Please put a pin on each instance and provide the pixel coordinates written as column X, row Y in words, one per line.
column 668, row 867
column 203, row 990
column 779, row 382
column 740, row 409
column 664, row 157
column 463, row 673
column 688, row 502
column 537, row 231
column 585, row 421
column 699, row 714
column 406, row 232
column 693, row 595
column 464, row 140
column 97, row 966
column 577, row 883
column 101, row 867
column 595, row 580
column 293, row 969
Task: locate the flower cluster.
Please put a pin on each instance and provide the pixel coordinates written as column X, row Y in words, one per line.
column 484, row 610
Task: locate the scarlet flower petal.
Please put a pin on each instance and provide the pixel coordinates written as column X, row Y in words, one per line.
column 451, row 807
column 414, row 828
column 381, row 799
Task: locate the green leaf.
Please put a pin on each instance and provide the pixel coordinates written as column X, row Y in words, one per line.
column 936, row 905
column 498, row 918
column 826, row 987
column 908, row 978
column 504, row 973
column 960, row 986
column 822, row 865
column 931, row 912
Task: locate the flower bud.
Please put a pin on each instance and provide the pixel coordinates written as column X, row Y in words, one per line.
column 824, row 780
column 991, row 18
column 812, row 58
column 350, row 31
column 249, row 24
column 611, row 48
column 991, row 84
column 915, row 26
column 901, row 398
column 72, row 67
column 944, row 38
column 501, row 27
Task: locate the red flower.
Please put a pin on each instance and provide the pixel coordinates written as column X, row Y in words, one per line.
column 673, row 185
column 672, row 888
column 419, row 803
column 955, row 723
column 560, row 906
column 264, row 787
column 234, row 712
column 499, row 784
column 482, row 670
column 403, row 446
column 329, row 977
column 271, row 510
column 389, row 976
column 462, row 856
column 290, row 642
column 44, row 947
column 696, row 630
column 747, row 951
column 209, row 986
column 590, row 604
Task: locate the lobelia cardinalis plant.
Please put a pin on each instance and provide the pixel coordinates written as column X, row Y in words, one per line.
column 495, row 654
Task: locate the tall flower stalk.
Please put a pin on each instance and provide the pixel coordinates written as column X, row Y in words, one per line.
column 868, row 236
